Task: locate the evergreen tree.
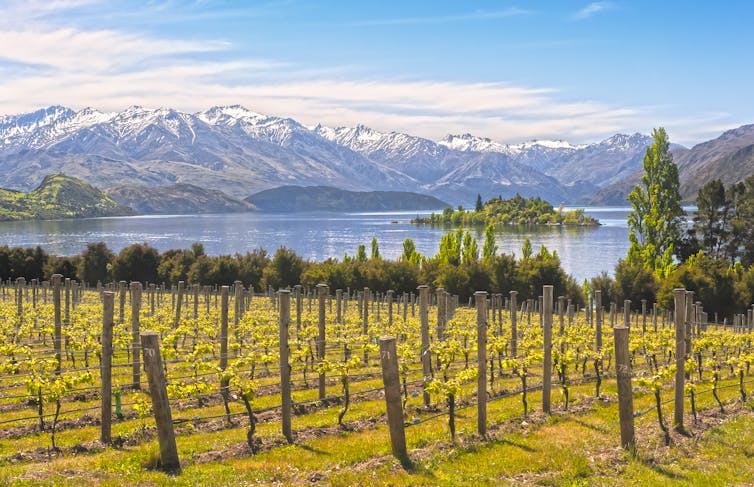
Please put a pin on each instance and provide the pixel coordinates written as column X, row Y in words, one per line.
column 479, row 205
column 655, row 219
column 712, row 218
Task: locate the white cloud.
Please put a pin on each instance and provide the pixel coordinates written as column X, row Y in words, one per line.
column 592, row 9
column 478, row 15
column 110, row 70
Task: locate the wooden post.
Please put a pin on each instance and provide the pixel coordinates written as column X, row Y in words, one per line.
column 284, row 303
column 58, row 340
column 425, row 352
column 514, row 330
column 481, row 344
column 391, row 380
column 365, row 304
column 389, row 298
column 627, row 313
column 339, row 305
column 106, row 362
column 442, row 309
column 150, row 346
column 135, row 331
column 643, row 316
column 547, row 346
column 122, row 289
column 178, row 305
column 679, row 298
column 625, row 393
column 598, row 320
column 237, row 310
column 224, row 290
column 321, row 295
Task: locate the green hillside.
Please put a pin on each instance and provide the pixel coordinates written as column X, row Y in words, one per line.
column 59, row 196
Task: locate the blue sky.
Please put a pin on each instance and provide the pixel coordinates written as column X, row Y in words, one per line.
column 580, row 71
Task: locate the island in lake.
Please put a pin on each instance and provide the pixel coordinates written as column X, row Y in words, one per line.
column 514, row 211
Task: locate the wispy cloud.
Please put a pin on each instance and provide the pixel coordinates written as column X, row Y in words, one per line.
column 479, row 15
column 45, row 63
column 592, row 9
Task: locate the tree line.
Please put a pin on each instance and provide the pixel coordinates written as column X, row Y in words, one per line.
column 461, row 267
column 712, row 255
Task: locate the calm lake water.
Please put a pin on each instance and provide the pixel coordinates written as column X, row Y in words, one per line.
column 584, row 251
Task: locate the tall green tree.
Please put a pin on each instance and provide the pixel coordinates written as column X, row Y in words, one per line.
column 375, row 249
column 470, row 251
column 656, row 216
column 95, row 263
column 489, row 249
column 479, row 205
column 712, row 217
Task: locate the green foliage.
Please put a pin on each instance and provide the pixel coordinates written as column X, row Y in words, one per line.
column 95, row 262
column 59, row 196
column 489, row 249
column 361, row 253
column 655, row 219
column 375, row 249
column 634, row 281
column 711, row 280
column 285, row 269
column 517, row 210
column 137, row 262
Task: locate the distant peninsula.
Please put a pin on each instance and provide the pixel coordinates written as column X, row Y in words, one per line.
column 514, row 211
column 177, row 199
column 59, row 196
column 289, row 199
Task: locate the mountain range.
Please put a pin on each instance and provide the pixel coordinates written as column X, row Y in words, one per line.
column 241, row 152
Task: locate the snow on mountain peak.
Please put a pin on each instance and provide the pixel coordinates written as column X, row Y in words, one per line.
column 471, row 143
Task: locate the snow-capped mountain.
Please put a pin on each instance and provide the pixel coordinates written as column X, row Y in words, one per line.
column 240, row 152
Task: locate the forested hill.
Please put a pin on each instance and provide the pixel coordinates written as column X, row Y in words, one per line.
column 59, row 196
column 324, row 198
column 177, row 199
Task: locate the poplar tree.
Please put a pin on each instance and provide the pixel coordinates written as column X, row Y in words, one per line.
column 655, row 219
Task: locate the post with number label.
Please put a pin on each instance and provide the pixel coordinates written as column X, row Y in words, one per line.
column 150, row 346
column 391, row 380
column 625, row 393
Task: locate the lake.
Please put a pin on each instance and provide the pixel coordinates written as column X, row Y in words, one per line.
column 584, row 251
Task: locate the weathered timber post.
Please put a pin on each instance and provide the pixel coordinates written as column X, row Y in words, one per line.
column 106, row 362
column 625, row 392
column 442, row 310
column 135, row 331
column 150, row 346
column 284, row 303
column 338, row 305
column 514, row 330
column 389, row 298
column 598, row 320
column 58, row 339
column 679, row 298
column 391, row 380
column 322, row 290
column 122, row 289
column 425, row 351
column 547, row 346
column 481, row 343
column 365, row 304
column 178, row 305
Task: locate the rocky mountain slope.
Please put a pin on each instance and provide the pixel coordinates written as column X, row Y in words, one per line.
column 241, row 152
column 322, row 198
column 177, row 199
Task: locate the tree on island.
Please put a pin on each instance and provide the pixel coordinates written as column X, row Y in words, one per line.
column 656, row 217
column 479, row 204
